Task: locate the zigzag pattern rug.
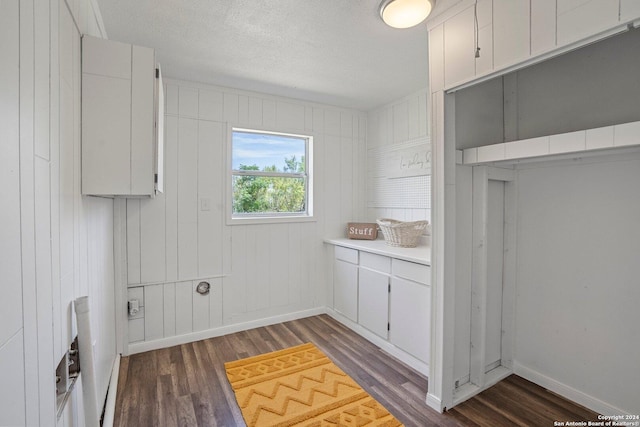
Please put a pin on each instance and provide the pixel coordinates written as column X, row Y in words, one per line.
column 301, row 386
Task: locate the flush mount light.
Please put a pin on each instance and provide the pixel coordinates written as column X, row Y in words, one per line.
column 405, row 13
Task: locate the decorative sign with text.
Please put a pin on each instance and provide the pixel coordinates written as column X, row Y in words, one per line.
column 413, row 161
column 362, row 230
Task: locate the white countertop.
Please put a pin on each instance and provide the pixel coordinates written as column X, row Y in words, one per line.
column 421, row 254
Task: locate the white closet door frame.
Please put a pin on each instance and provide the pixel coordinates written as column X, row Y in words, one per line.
column 481, row 177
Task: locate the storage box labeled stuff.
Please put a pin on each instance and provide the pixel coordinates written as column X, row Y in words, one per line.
column 362, row 230
column 401, row 233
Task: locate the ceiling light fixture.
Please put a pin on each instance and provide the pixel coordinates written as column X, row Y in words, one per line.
column 405, row 13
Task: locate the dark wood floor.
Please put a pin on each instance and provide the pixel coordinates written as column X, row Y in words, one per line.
column 186, row 385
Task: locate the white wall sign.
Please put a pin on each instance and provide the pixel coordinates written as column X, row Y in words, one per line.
column 411, row 161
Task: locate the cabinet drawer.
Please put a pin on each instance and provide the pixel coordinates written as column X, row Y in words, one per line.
column 379, row 263
column 411, row 271
column 346, row 254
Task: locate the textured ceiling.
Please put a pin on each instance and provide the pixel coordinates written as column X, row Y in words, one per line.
column 337, row 52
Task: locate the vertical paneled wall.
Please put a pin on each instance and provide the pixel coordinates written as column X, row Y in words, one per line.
column 11, row 327
column 54, row 245
column 577, row 255
column 401, row 123
column 256, row 271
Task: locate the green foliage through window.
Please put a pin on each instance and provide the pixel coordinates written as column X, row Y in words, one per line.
column 267, row 188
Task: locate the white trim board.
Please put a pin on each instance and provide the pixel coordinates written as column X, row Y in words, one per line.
column 435, row 403
column 566, row 391
column 385, row 345
column 583, row 141
column 469, row 390
column 141, row 347
column 404, row 357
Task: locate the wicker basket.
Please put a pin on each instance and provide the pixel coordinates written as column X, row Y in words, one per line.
column 400, row 233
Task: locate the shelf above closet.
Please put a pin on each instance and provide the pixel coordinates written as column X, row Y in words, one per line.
column 589, row 140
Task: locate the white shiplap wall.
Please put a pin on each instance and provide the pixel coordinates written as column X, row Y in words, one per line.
column 257, row 272
column 577, row 279
column 55, row 245
column 396, row 125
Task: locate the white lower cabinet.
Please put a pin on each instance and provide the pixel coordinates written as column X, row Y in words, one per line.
column 410, row 310
column 410, row 317
column 387, row 296
column 373, row 295
column 373, row 301
column 345, row 283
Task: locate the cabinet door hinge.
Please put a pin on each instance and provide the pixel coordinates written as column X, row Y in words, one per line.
column 157, row 73
column 155, row 178
column 389, row 287
column 388, row 326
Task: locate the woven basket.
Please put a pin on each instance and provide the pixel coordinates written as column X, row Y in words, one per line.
column 400, row 233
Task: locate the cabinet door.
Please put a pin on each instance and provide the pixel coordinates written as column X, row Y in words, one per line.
column 629, row 10
column 345, row 289
column 373, row 301
column 543, row 25
column 106, row 57
column 142, row 120
column 436, row 58
column 459, row 48
column 484, row 63
column 410, row 317
column 106, row 124
column 580, row 18
column 118, row 118
column 511, row 31
column 159, row 136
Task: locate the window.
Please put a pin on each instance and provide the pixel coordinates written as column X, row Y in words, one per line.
column 270, row 175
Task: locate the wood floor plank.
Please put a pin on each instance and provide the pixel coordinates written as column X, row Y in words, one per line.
column 473, row 412
column 186, row 416
column 186, row 385
column 552, row 401
column 167, row 401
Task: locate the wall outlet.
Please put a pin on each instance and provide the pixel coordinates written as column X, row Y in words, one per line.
column 134, row 307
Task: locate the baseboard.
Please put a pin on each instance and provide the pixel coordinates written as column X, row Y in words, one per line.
column 434, row 402
column 223, row 330
column 385, row 345
column 566, row 391
column 491, row 378
column 110, row 405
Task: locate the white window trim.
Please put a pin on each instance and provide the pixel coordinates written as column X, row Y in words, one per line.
column 269, row 218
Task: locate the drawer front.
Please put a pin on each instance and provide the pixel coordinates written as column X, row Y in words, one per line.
column 376, row 262
column 346, row 254
column 411, row 271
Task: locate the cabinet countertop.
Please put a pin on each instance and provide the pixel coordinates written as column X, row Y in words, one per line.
column 421, row 254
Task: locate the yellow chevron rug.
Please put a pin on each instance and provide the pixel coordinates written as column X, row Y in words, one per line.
column 300, row 386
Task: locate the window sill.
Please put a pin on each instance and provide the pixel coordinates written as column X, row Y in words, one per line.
column 270, row 220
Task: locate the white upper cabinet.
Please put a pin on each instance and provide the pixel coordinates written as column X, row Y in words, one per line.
column 511, row 32
column 459, row 48
column 484, row 62
column 121, row 139
column 578, row 19
column 543, row 26
column 436, row 58
column 629, row 10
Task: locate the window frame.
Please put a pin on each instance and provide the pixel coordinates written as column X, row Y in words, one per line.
column 271, row 217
